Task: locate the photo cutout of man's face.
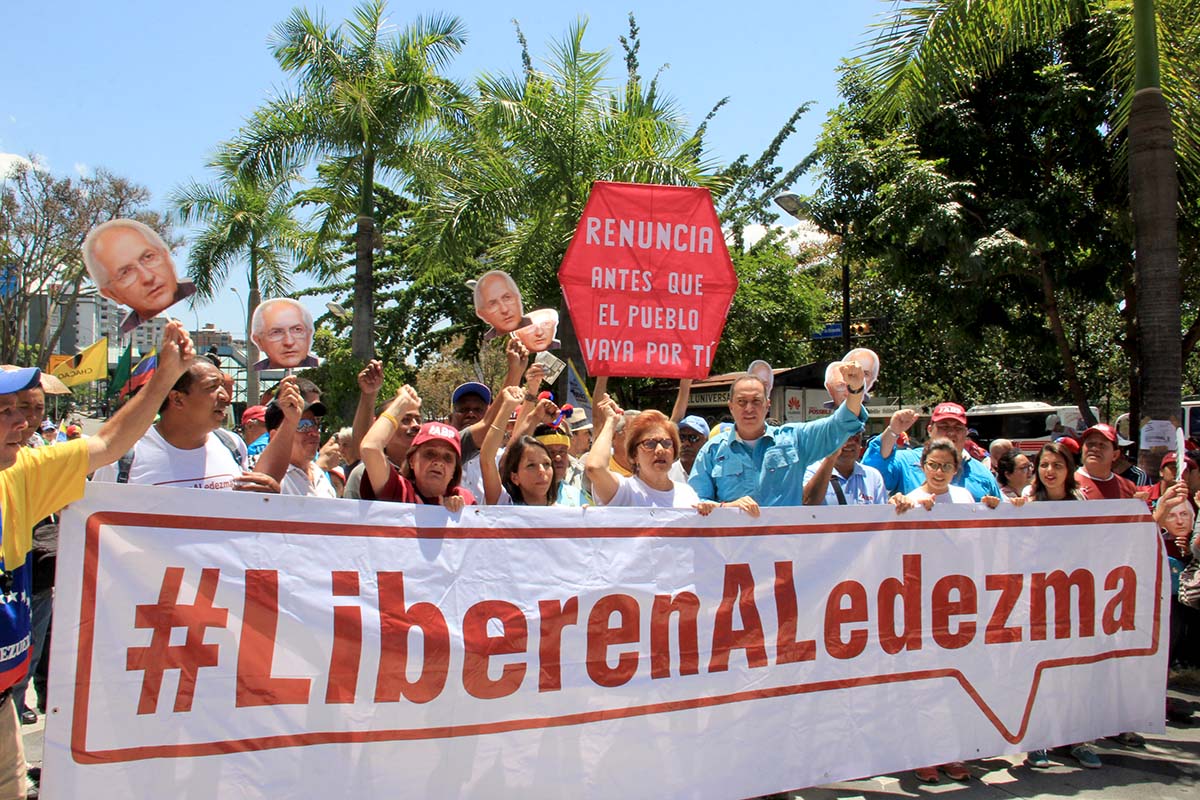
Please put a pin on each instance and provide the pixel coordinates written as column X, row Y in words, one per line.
column 131, row 265
column 498, row 301
column 539, row 334
column 283, row 331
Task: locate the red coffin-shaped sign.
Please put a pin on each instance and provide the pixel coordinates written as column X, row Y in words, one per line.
column 648, row 281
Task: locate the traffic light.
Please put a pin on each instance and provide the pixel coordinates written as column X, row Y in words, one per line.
column 861, row 328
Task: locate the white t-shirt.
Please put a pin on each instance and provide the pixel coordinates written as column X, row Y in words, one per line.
column 636, row 492
column 956, row 494
column 159, row 463
column 311, row 482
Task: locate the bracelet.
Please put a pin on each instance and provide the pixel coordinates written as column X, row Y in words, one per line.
column 859, row 390
column 496, row 428
column 390, row 418
column 532, row 398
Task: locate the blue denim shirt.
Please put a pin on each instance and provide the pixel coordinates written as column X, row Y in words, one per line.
column 772, row 471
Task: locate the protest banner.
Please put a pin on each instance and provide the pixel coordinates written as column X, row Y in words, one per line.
column 648, row 281
column 231, row 645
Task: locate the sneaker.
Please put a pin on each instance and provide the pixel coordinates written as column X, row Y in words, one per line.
column 956, row 771
column 1086, row 756
column 28, row 716
column 1038, row 759
column 1129, row 739
column 927, row 774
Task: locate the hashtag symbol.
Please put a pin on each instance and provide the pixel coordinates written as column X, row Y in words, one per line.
column 161, row 655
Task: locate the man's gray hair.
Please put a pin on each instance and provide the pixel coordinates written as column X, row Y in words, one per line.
column 746, row 376
column 96, row 270
column 508, row 280
column 258, row 323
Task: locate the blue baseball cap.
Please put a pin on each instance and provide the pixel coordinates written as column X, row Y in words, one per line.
column 695, row 423
column 465, row 389
column 18, row 380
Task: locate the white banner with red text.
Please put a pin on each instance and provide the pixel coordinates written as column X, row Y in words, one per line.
column 217, row 644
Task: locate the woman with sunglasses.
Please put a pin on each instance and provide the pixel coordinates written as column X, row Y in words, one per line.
column 1013, row 472
column 939, row 462
column 651, row 442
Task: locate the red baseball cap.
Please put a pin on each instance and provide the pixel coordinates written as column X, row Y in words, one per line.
column 1169, row 458
column 1068, row 442
column 1107, row 431
column 438, row 432
column 949, row 411
column 254, row 413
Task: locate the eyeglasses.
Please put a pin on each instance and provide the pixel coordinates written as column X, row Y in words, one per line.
column 1027, row 468
column 306, row 425
column 936, row 467
column 294, row 331
column 691, row 438
column 650, row 445
column 128, row 275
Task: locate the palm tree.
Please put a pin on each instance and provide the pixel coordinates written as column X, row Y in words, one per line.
column 364, row 98
column 244, row 218
column 931, row 50
column 524, row 165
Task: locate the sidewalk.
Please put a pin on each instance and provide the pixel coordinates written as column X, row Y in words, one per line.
column 1166, row 769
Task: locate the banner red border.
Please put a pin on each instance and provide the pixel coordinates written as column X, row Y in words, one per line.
column 87, row 616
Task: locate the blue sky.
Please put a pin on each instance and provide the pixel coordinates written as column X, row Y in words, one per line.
column 148, row 89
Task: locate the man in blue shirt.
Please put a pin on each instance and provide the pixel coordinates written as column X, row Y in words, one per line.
column 901, row 469
column 755, row 463
column 840, row 480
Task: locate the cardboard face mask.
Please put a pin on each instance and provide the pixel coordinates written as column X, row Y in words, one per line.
column 131, row 265
column 498, row 302
column 283, row 331
column 539, row 334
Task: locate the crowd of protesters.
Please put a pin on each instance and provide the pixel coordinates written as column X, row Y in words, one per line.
column 513, row 445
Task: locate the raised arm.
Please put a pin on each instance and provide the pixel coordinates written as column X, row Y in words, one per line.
column 120, row 433
column 277, row 454
column 370, row 381
column 604, row 482
column 679, row 411
column 374, row 459
column 509, row 398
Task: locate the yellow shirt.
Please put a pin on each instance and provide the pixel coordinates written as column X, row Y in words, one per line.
column 41, row 482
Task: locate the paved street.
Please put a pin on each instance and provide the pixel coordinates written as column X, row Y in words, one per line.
column 1166, row 769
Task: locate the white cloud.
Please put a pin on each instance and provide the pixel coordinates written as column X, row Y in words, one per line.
column 799, row 235
column 10, row 160
column 82, row 169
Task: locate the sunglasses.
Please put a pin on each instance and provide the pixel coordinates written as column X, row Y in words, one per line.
column 650, row 445
column 691, row 438
column 305, row 425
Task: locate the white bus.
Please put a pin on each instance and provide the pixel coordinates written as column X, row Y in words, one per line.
column 1027, row 425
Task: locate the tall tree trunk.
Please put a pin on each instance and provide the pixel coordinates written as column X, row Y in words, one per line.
column 1050, row 305
column 362, row 339
column 253, row 298
column 1153, row 198
column 1153, row 191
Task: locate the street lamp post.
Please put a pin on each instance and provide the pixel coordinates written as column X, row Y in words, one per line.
column 794, row 206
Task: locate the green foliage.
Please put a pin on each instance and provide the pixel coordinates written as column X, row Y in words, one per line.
column 774, row 312
column 951, row 223
column 338, row 378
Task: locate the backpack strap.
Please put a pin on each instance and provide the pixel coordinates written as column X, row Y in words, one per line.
column 231, row 444
column 123, row 467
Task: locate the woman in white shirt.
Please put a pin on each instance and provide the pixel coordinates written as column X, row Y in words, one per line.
column 651, row 445
column 940, row 462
